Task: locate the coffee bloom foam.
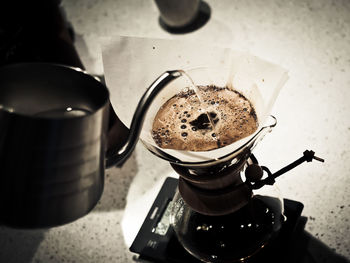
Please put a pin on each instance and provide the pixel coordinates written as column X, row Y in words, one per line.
column 221, row 117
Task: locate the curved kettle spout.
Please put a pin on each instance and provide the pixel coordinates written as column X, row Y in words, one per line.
column 118, row 156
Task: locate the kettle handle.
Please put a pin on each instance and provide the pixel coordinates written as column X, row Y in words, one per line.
column 117, row 157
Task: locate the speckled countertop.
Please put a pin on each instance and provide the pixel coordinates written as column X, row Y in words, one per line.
column 309, row 38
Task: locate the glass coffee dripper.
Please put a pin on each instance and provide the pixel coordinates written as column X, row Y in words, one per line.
column 226, row 208
column 217, row 215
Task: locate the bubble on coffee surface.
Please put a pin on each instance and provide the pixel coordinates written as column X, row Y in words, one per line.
column 187, row 120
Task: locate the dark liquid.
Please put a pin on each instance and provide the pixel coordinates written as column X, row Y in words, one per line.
column 232, row 237
column 63, row 113
column 202, row 122
column 221, row 117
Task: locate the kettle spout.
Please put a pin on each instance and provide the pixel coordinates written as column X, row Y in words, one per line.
column 117, row 157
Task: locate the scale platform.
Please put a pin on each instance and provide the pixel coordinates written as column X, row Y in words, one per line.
column 156, row 240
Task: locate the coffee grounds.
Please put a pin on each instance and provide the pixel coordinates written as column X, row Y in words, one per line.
column 182, row 123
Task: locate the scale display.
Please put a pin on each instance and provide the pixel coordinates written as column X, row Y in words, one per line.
column 163, row 224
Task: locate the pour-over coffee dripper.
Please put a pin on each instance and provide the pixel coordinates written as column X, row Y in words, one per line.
column 260, row 95
column 213, row 199
column 225, row 209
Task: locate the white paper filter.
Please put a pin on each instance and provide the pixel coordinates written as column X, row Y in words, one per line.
column 131, row 63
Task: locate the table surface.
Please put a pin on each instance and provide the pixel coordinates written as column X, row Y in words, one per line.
column 309, row 38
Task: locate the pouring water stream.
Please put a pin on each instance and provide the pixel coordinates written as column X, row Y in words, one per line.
column 194, row 87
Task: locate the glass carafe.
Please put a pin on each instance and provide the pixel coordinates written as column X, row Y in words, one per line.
column 230, row 237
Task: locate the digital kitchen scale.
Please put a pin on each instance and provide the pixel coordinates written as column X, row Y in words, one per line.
column 156, row 240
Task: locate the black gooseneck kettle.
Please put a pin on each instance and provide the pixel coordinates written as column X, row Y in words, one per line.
column 53, row 142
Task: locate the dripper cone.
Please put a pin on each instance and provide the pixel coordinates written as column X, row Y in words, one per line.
column 257, row 80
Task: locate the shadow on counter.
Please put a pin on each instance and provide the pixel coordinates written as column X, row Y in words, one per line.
column 308, row 249
column 17, row 245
